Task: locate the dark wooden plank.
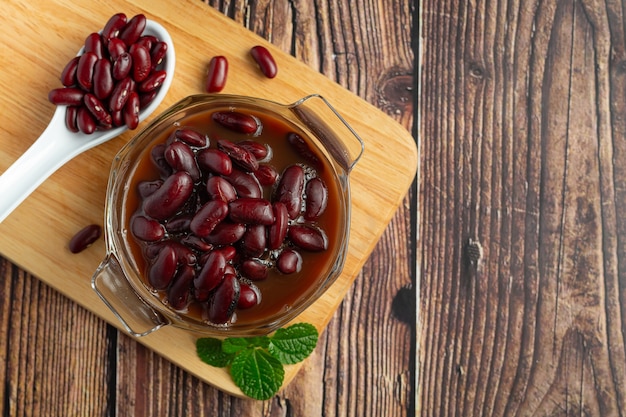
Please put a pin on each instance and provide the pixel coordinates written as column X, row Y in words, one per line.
column 523, row 127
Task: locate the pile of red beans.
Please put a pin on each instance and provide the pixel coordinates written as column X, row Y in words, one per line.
column 220, row 217
column 118, row 73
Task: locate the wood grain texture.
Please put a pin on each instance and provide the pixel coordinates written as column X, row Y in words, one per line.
column 363, row 364
column 523, row 132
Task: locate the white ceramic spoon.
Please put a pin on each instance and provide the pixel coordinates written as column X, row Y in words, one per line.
column 57, row 145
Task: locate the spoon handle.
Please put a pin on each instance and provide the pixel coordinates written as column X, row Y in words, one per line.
column 49, row 152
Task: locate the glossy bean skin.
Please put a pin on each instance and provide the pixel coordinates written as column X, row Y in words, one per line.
column 116, row 47
column 196, row 243
column 212, row 272
column 103, row 82
column 215, row 161
column 85, row 121
column 170, row 197
column 251, row 211
column 70, row 119
column 180, row 157
column 142, row 64
column 121, row 66
column 277, row 231
column 248, row 296
column 146, row 229
column 66, row 96
column 152, row 81
column 113, row 26
column 298, row 143
column 208, row 217
column 224, row 300
column 258, row 150
column 265, row 60
column 217, row 74
column 130, row 112
column 226, row 233
column 254, row 270
column 133, row 29
column 253, row 242
column 68, row 75
column 290, row 188
column 93, row 43
column 84, row 70
column 84, row 238
column 162, row 271
column 266, row 175
column 220, row 189
column 289, row 261
column 192, row 137
column 308, row 237
column 179, row 292
column 246, row 185
column 120, row 94
column 237, row 122
column 157, row 53
column 239, row 155
column 97, row 109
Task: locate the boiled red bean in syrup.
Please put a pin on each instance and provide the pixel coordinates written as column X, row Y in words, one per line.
column 218, row 216
column 114, row 66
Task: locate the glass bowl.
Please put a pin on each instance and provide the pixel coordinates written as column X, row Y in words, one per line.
column 123, row 278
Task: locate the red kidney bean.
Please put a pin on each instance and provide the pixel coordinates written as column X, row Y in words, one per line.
column 179, row 292
column 146, row 41
column 249, row 296
column 66, row 96
column 220, row 189
column 116, row 47
column 216, row 74
column 102, row 79
column 97, row 109
column 141, row 62
column 211, row 273
column 168, row 199
column 224, row 301
column 68, row 75
column 265, row 60
column 180, row 157
column 121, row 66
column 157, row 156
column 215, row 161
column 133, row 29
column 241, row 156
column 120, row 94
column 146, row 229
column 70, row 118
column 226, row 233
column 93, row 43
column 246, row 185
column 266, row 175
column 84, row 70
column 152, row 81
column 146, row 98
column 316, row 198
column 145, row 188
column 251, row 211
column 184, row 255
column 308, row 237
column 289, row 190
column 254, row 270
column 131, row 111
column 277, row 231
column 192, row 137
column 118, row 118
column 161, row 272
column 84, row 238
column 196, row 243
column 259, row 150
column 113, row 26
column 85, row 121
column 289, row 261
column 253, row 241
column 157, row 53
column 179, row 224
column 237, row 122
column 298, row 144
column 229, row 252
column 209, row 216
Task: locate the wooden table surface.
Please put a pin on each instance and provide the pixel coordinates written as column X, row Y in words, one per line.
column 62, row 360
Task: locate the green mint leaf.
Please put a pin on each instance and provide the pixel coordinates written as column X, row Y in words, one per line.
column 237, row 344
column 294, row 343
column 258, row 374
column 210, row 351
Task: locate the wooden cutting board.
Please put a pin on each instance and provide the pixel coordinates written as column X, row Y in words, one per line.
column 36, row 41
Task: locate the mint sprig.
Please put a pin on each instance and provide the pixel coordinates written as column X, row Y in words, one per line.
column 256, row 363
